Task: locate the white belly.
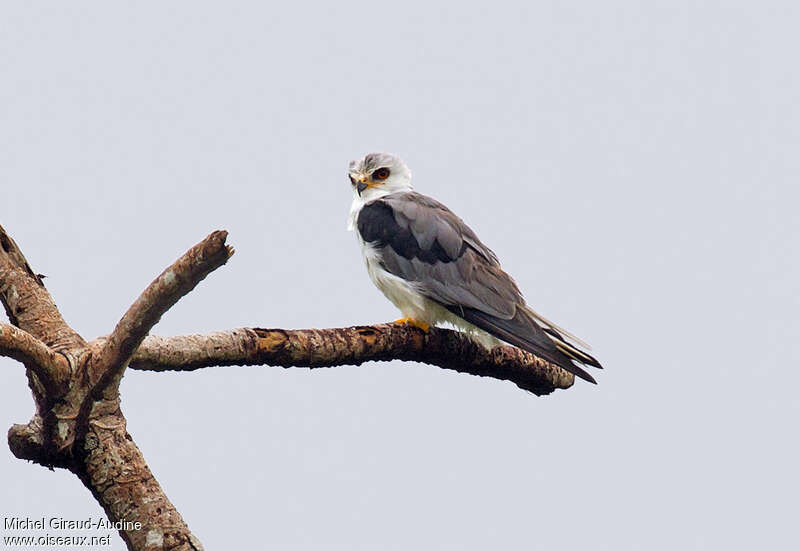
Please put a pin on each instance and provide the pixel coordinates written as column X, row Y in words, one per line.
column 402, row 293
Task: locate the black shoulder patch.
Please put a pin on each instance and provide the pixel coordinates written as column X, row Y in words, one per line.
column 377, row 225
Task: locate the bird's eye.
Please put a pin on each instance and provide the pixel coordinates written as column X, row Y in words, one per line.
column 380, row 174
column 352, row 182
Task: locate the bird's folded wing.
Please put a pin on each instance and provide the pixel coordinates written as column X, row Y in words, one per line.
column 422, row 241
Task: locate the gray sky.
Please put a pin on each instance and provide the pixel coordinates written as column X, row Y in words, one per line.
column 633, row 165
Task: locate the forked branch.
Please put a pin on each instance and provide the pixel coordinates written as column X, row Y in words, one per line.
column 79, row 424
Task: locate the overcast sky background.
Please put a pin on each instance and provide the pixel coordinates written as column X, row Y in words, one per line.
column 634, row 165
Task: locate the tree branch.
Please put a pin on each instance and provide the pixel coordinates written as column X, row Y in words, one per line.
column 173, row 283
column 353, row 346
column 50, row 367
column 28, row 304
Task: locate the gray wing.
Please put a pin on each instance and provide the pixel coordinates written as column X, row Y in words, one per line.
column 422, row 241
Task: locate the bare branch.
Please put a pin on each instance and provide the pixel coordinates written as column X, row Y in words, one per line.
column 173, row 283
column 28, row 304
column 350, row 346
column 50, row 367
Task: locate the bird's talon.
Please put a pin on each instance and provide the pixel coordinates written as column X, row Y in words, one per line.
column 416, row 323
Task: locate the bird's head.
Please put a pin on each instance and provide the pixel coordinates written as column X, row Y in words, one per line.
column 379, row 174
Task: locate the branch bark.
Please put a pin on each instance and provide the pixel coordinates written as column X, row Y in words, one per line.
column 350, row 346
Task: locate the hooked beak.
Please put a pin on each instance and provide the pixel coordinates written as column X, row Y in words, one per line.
column 361, row 186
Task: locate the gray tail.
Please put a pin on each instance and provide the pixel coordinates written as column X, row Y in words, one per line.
column 523, row 332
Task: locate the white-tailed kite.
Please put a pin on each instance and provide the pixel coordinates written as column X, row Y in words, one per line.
column 433, row 267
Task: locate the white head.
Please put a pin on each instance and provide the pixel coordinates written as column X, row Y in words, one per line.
column 378, row 174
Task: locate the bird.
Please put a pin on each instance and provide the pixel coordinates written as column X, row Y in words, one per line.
column 435, row 270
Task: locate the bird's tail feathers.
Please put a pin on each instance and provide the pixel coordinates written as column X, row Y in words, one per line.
column 577, row 354
column 555, row 331
column 561, row 338
column 524, row 332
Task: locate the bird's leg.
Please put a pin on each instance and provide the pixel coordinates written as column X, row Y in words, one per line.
column 416, row 323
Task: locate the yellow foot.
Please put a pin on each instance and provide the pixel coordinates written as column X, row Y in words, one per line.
column 416, row 323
